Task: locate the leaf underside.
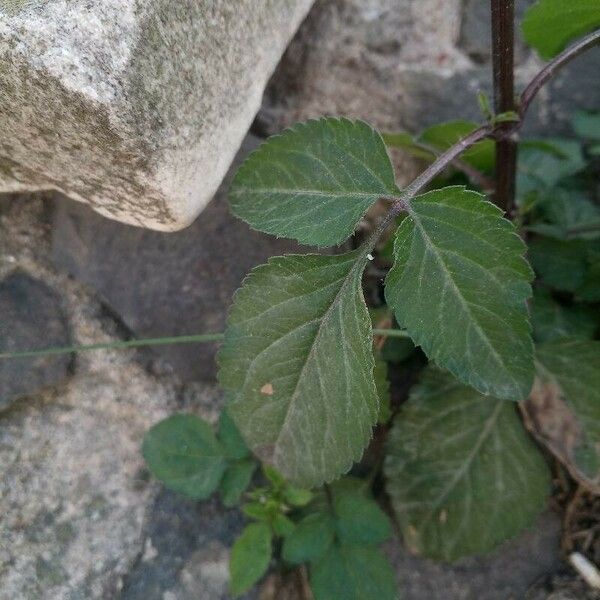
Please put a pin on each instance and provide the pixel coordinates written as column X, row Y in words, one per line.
column 298, row 363
column 314, row 182
column 462, row 473
column 550, row 25
column 459, row 286
column 564, row 408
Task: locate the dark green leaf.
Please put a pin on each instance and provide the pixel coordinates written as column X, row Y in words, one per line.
column 250, row 557
column 459, row 286
column 314, row 182
column 561, row 264
column 589, row 291
column 462, row 473
column 310, row 539
column 236, row 480
column 298, row 360
column 568, row 392
column 183, row 452
column 353, row 573
column 550, row 25
column 359, row 519
column 231, row 439
column 553, row 321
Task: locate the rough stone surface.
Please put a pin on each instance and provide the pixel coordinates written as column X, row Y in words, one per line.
column 135, row 107
column 31, row 318
column 165, row 284
column 506, row 574
column 407, row 64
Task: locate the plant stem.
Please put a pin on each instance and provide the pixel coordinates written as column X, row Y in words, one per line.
column 503, row 15
column 164, row 341
column 551, row 68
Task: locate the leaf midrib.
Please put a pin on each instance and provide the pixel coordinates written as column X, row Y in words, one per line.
column 328, row 312
column 483, row 436
column 429, row 243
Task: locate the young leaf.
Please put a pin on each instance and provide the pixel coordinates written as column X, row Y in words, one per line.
column 314, row 182
column 282, row 525
column 568, row 392
column 250, row 557
column 550, row 25
column 310, row 539
column 359, row 519
column 352, row 572
column 231, row 439
column 481, row 156
column 459, row 285
column 236, row 480
column 297, row 496
column 183, row 452
column 298, row 360
column 553, row 321
column 462, row 473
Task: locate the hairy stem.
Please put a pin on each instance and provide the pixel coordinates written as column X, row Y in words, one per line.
column 504, row 100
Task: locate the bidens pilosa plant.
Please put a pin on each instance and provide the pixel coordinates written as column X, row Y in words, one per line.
column 305, row 379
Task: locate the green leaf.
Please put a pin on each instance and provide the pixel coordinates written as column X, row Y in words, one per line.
column 405, row 141
column 462, row 473
column 442, row 136
column 553, row 321
column 560, row 264
column 459, row 286
column 314, row 182
column 257, row 510
column 297, row 358
column 589, row 291
column 236, row 480
column 282, row 525
column 550, row 25
column 569, row 390
column 311, row 538
column 359, row 519
column 231, row 439
column 297, row 496
column 183, row 452
column 383, row 390
column 587, row 124
column 352, row 572
column 250, row 557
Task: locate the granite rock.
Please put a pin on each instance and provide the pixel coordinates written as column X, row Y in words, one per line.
column 136, row 107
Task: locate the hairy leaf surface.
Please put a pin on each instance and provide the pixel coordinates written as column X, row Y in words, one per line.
column 298, row 361
column 564, row 407
column 459, row 286
column 461, row 470
column 183, row 452
column 313, row 182
column 550, row 25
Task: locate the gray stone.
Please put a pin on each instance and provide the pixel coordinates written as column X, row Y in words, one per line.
column 408, row 64
column 507, row 573
column 165, row 284
column 136, row 107
column 31, row 318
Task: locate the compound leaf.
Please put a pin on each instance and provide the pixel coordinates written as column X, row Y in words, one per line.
column 459, row 286
column 564, row 407
column 250, row 557
column 462, row 473
column 550, row 25
column 313, row 182
column 298, row 362
column 183, row 452
column 353, row 572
